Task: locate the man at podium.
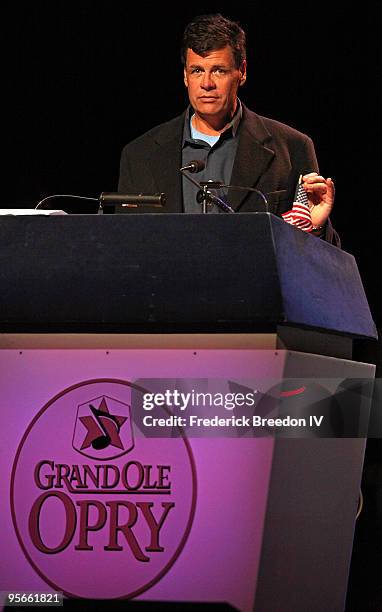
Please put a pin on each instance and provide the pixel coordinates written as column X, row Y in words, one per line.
column 235, row 146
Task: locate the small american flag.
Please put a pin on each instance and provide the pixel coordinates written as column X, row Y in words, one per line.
column 299, row 215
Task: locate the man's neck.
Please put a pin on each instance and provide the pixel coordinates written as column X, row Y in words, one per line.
column 213, row 126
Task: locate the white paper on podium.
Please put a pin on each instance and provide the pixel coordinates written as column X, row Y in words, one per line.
column 30, row 211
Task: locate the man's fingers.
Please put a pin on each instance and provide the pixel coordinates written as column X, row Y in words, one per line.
column 330, row 184
column 316, row 188
column 313, row 177
column 318, row 184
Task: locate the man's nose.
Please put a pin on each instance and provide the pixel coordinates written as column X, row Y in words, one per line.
column 207, row 81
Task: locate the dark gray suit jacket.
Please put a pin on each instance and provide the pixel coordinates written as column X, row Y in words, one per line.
column 270, row 157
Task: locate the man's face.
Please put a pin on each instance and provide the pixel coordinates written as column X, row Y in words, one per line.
column 212, row 82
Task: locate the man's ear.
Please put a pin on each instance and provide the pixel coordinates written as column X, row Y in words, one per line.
column 185, row 77
column 243, row 71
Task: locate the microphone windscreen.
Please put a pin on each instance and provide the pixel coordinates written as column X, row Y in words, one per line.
column 197, row 165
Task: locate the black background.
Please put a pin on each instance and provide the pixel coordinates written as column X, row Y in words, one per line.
column 81, row 79
column 85, row 78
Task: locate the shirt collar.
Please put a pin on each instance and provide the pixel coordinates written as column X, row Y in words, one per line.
column 236, row 118
column 234, row 123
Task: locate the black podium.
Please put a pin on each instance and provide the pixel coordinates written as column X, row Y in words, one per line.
column 188, row 272
column 229, row 289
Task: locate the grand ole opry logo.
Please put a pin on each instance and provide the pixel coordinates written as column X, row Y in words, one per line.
column 100, row 510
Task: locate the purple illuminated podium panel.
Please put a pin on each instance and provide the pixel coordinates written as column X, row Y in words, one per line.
column 86, row 492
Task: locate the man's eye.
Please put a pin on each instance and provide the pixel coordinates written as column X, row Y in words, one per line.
column 195, row 70
column 220, row 71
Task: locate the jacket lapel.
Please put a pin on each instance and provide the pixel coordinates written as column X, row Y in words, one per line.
column 253, row 156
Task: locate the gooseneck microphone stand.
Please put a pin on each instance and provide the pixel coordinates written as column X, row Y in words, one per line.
column 219, row 185
column 204, row 195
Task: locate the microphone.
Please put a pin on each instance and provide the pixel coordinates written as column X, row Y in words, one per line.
column 125, row 200
column 132, row 200
column 197, row 165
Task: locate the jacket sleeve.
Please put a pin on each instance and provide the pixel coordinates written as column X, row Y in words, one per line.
column 310, row 164
column 124, row 182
